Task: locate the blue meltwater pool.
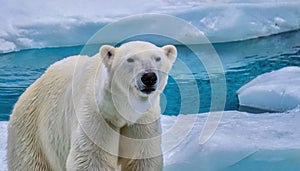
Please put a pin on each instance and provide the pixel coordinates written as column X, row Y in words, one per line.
column 241, row 60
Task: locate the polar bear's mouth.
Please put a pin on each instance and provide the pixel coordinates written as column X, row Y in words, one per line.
column 148, row 90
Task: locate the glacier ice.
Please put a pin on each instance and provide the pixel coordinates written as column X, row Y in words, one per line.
column 274, row 91
column 67, row 24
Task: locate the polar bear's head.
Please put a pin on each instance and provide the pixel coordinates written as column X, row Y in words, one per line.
column 138, row 71
column 139, row 66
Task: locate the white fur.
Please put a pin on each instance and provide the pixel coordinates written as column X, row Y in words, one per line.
column 74, row 116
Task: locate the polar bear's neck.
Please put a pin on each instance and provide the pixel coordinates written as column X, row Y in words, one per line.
column 121, row 109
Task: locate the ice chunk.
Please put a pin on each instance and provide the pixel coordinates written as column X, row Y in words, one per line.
column 274, row 91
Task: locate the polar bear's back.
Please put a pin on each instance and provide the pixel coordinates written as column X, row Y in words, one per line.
column 40, row 122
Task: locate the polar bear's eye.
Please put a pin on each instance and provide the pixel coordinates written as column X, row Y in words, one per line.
column 157, row 59
column 130, row 60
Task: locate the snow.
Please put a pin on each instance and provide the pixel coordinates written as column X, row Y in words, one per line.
column 3, row 139
column 274, row 91
column 6, row 45
column 242, row 141
column 36, row 24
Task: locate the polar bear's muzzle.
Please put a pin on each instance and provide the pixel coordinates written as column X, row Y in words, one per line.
column 147, row 82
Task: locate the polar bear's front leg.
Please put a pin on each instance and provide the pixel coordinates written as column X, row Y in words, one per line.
column 145, row 154
column 87, row 155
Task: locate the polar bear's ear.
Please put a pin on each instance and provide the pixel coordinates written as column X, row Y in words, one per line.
column 170, row 51
column 107, row 53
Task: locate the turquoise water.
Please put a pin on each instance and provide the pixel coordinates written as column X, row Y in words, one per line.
column 242, row 61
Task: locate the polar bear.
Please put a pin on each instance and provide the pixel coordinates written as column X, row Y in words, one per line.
column 93, row 113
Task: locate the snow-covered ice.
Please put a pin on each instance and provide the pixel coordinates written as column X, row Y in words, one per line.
column 3, row 140
column 274, row 91
column 36, row 24
column 242, row 141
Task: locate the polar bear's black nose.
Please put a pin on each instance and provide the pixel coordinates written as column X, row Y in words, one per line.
column 149, row 78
